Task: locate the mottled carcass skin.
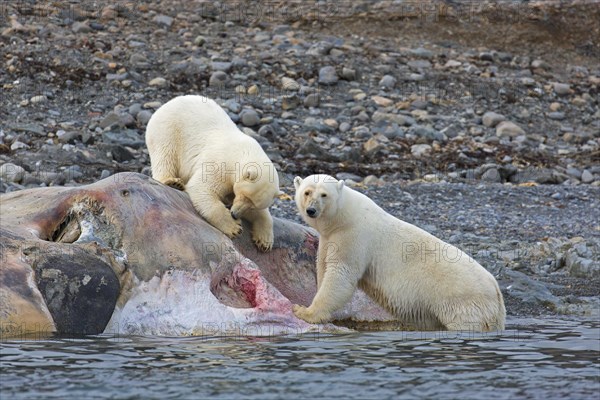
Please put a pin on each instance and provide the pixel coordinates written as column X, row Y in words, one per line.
column 128, row 255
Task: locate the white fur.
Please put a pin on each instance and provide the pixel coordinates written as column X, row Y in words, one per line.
column 193, row 142
column 418, row 277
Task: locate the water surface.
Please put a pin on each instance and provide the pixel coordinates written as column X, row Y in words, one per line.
column 532, row 358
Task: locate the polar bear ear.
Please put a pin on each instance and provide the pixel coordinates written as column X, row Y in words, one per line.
column 340, row 185
column 297, row 182
column 250, row 174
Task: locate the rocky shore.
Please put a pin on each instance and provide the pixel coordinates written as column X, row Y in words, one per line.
column 478, row 121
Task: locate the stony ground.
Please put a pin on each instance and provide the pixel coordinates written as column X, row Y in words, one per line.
column 478, row 121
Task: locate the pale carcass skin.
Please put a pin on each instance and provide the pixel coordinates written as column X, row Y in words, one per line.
column 128, row 255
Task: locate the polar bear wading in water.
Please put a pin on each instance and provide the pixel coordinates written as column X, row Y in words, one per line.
column 424, row 281
column 194, row 145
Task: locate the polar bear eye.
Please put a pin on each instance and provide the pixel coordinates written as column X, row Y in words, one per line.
column 307, row 193
column 324, row 195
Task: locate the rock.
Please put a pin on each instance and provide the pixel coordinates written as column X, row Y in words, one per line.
column 328, row 76
column 491, row 119
column 233, row 106
column 290, row 102
column 119, row 153
column 387, row 82
column 518, row 285
column 562, row 89
column 18, row 145
column 163, row 20
column 509, row 129
column 541, row 64
column 372, row 145
column 158, row 82
column 312, row 100
column 492, row 175
column 310, row 149
column 221, row 66
column 217, row 79
column 587, row 176
column 347, row 176
column 557, row 115
column 419, row 64
column 11, row 173
column 396, row 118
column 427, row 132
column 249, row 117
column 126, row 137
column 452, row 64
column 80, row 27
column 105, row 174
column 111, row 119
column 345, row 127
column 420, row 150
column 486, row 56
column 289, row 84
column 199, row 40
column 382, row 101
column 143, row 117
column 348, row 74
column 38, row 99
column 320, row 49
column 422, row 53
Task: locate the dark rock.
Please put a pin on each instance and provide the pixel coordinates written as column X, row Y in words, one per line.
column 126, row 137
column 328, row 76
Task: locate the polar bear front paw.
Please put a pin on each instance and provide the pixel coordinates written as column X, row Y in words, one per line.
column 175, row 183
column 231, row 227
column 263, row 240
column 305, row 314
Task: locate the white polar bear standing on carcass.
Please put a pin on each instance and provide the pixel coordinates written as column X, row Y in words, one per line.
column 195, row 146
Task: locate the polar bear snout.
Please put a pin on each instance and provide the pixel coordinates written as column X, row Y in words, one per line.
column 311, row 212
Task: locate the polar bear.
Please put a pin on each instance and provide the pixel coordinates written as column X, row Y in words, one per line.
column 194, row 145
column 424, row 281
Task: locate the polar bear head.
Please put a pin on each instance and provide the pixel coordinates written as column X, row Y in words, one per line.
column 255, row 189
column 318, row 196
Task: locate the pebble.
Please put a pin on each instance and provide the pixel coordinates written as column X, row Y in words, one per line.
column 312, row 100
column 509, row 129
column 233, row 106
column 143, row 117
column 249, row 117
column 587, row 176
column 557, row 115
column 290, row 102
column 420, row 150
column 422, row 53
column 492, row 175
column 345, row 127
column 38, row 99
column 111, row 119
column 163, row 20
column 328, row 76
column 348, row 74
column 105, row 174
column 382, row 101
column 17, row 145
column 199, row 40
column 81, row 27
column 218, row 78
column 158, row 82
column 11, row 172
column 290, row 84
column 397, row 118
column 562, row 89
column 387, row 82
column 491, row 119
column 221, row 66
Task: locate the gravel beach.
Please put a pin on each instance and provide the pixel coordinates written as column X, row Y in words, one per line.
column 477, row 121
